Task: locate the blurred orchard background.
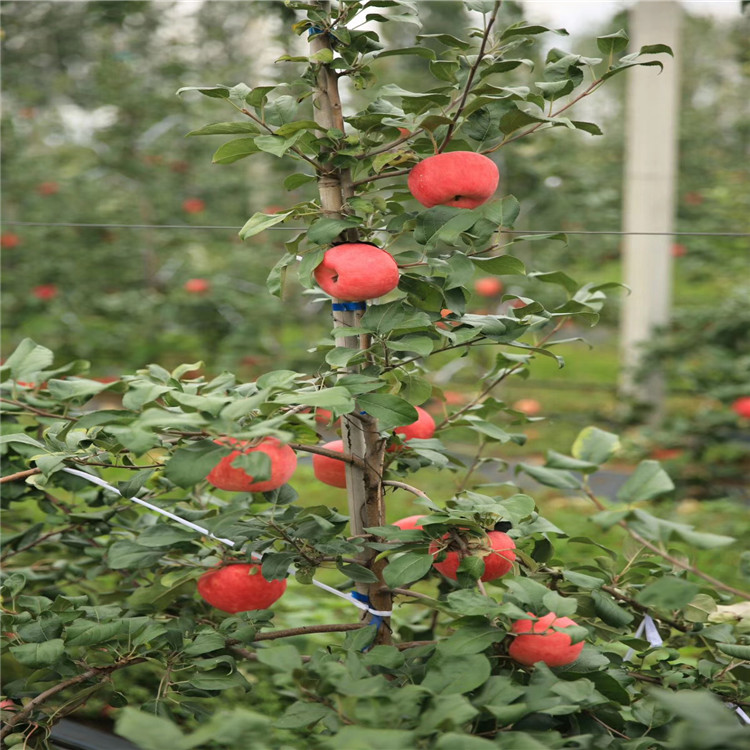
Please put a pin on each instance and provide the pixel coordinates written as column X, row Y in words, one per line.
column 119, row 234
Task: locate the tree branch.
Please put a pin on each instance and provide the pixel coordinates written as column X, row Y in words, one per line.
column 34, row 703
column 19, row 475
column 381, row 176
column 402, row 485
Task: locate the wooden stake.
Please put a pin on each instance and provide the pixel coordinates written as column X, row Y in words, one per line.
column 359, row 430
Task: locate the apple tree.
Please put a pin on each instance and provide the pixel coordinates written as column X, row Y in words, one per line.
column 154, row 546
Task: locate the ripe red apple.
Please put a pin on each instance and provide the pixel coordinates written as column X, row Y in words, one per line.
column 196, row 286
column 529, row 406
column 47, row 188
column 9, row 240
column 496, row 550
column 423, row 428
column 45, row 291
column 356, row 271
column 227, row 477
column 463, row 179
column 488, row 286
column 409, row 523
column 330, row 470
column 543, row 643
column 193, row 205
column 239, row 588
column 741, row 406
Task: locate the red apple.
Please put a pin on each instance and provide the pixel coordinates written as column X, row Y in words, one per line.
column 356, row 271
column 45, row 291
column 543, row 643
column 239, row 588
column 325, row 417
column 454, row 398
column 463, row 179
column 678, row 250
column 422, row 428
column 9, row 240
column 47, row 188
column 496, row 550
column 193, row 205
column 529, row 406
column 196, row 286
column 330, row 470
column 741, row 406
column 409, row 523
column 227, row 477
column 488, row 286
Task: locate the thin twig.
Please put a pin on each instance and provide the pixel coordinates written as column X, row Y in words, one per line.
column 381, row 176
column 345, row 457
column 38, row 540
column 409, row 488
column 272, row 635
column 472, row 74
column 666, row 556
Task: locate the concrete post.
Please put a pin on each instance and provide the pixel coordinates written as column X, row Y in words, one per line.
column 651, row 133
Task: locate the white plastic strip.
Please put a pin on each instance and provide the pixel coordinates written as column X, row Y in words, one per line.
column 254, row 555
column 156, row 509
column 734, row 707
column 652, row 635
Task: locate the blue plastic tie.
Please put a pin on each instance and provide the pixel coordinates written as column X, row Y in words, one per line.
column 377, row 620
column 349, row 306
column 314, row 30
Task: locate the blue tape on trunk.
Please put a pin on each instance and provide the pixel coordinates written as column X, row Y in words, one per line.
column 349, row 306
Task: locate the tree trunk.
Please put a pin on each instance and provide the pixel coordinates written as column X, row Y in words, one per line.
column 359, row 431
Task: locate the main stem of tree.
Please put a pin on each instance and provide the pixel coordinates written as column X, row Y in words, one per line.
column 359, row 431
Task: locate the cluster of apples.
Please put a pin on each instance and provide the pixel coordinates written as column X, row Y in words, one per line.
column 355, row 272
column 358, row 271
column 537, row 639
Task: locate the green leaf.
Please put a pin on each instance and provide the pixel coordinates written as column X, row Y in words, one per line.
column 191, row 463
column 609, row 611
column 293, row 181
column 336, row 397
column 225, row 128
column 65, row 390
column 165, row 535
column 595, row 445
column 581, row 580
column 409, row 567
column 558, row 478
column 470, row 639
column 235, row 150
column 612, row 43
column 284, row 658
column 214, row 92
column 425, row 52
column 556, row 277
column 259, row 222
column 37, row 655
column 125, row 555
column 147, row 731
column 28, row 359
column 357, row 573
column 668, row 593
column 456, row 674
column 89, row 633
column 325, row 231
column 390, row 411
column 647, row 482
column 736, row 650
column 656, row 49
column 275, row 144
column 301, row 714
